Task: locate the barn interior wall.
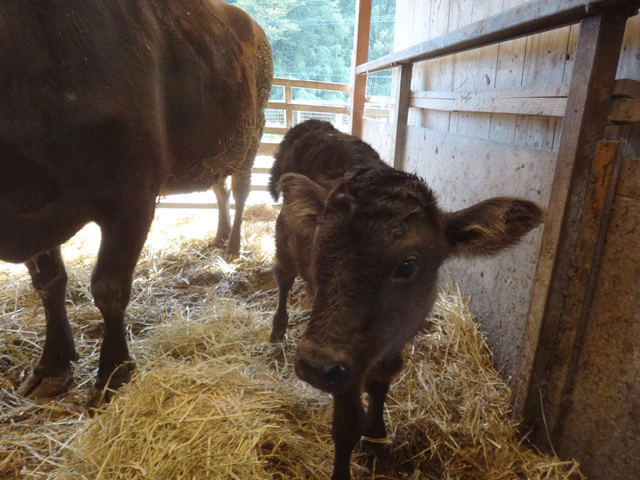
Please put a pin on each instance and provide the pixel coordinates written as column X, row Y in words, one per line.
column 466, row 156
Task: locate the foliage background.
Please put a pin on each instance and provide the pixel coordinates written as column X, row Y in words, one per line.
column 313, row 40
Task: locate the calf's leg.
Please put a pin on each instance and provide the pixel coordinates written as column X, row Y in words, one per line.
column 377, row 386
column 374, row 437
column 52, row 374
column 346, row 430
column 285, row 273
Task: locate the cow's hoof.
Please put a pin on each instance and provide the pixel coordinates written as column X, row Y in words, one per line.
column 219, row 242
column 36, row 387
column 103, row 390
column 97, row 398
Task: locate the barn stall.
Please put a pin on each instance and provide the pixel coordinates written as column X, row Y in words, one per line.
column 212, row 401
column 539, row 100
column 212, row 398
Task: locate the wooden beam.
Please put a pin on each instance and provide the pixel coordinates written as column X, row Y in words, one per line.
column 310, row 84
column 626, row 110
column 268, row 149
column 288, row 113
column 527, row 19
column 305, row 107
column 358, row 83
column 591, row 89
column 544, row 101
column 401, row 115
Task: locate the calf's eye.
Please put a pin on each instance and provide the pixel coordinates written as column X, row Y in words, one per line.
column 406, row 269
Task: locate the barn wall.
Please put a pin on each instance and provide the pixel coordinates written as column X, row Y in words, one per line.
column 466, row 157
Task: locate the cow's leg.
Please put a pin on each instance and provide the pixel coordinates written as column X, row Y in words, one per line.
column 123, row 236
column 346, row 429
column 241, row 187
column 52, row 374
column 224, row 225
column 285, row 273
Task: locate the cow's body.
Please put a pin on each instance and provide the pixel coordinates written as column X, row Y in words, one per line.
column 104, row 105
column 370, row 249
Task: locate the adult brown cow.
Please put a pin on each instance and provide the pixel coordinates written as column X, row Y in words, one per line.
column 104, row 105
column 370, row 248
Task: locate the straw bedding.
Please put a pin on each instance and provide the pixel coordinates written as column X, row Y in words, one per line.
column 212, row 399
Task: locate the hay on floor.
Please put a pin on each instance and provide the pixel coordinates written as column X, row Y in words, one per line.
column 211, row 398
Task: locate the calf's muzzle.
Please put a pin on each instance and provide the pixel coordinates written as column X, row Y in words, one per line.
column 323, row 368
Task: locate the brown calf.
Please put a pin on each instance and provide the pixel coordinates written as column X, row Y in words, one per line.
column 104, row 105
column 318, row 150
column 370, row 249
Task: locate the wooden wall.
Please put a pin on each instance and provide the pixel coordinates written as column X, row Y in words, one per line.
column 588, row 388
column 468, row 156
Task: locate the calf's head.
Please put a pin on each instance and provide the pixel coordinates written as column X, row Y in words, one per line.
column 378, row 241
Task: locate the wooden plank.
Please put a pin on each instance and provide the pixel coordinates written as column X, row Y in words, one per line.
column 526, row 19
column 483, row 63
column 400, row 116
column 630, row 185
column 436, row 74
column 313, row 85
column 509, row 70
column 268, row 149
column 625, row 110
column 542, row 91
column 459, row 16
column 305, row 107
column 276, row 130
column 358, row 83
column 544, row 65
column 627, row 87
column 288, row 113
column 550, row 107
column 630, row 51
column 568, row 69
column 592, row 84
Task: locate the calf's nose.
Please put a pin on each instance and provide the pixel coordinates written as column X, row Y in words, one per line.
column 334, row 375
column 329, row 377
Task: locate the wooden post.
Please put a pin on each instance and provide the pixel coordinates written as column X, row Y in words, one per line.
column 358, row 83
column 588, row 102
column 288, row 113
column 401, row 115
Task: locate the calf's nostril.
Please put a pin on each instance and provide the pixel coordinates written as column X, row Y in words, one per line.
column 334, row 375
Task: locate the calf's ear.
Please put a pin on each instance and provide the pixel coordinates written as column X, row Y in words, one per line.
column 491, row 225
column 303, row 200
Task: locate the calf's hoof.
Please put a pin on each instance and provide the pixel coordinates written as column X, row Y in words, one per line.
column 37, row 387
column 276, row 337
column 377, row 453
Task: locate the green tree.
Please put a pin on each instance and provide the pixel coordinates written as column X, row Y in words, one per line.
column 313, row 39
